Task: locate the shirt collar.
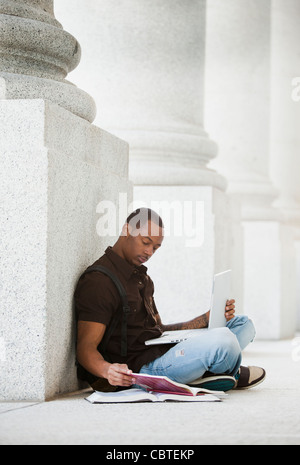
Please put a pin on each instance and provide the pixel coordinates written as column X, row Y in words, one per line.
column 122, row 265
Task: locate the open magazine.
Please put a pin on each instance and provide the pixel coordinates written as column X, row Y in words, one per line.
column 157, row 389
column 165, row 385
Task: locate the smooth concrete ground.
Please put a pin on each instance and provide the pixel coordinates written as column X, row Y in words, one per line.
column 268, row 414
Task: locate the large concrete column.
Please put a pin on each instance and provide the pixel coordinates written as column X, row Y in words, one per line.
column 55, row 167
column 238, row 115
column 238, row 79
column 146, row 71
column 285, row 131
column 170, row 150
column 149, row 59
column 285, row 114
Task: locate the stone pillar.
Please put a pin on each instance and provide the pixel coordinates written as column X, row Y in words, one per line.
column 55, row 167
column 238, row 115
column 285, row 116
column 149, row 59
column 170, row 149
column 285, row 133
column 146, row 71
column 238, row 78
column 162, row 110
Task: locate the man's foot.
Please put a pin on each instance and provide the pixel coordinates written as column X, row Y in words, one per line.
column 249, row 377
column 215, row 382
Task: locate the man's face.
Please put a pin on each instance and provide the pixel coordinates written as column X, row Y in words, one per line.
column 142, row 243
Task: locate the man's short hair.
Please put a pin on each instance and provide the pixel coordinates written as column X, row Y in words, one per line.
column 141, row 216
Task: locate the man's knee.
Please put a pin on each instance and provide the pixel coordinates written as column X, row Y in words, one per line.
column 242, row 321
column 228, row 343
column 244, row 330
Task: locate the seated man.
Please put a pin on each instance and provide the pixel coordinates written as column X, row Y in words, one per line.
column 212, row 355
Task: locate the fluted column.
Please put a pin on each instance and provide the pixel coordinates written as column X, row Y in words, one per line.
column 238, row 113
column 238, row 99
column 36, row 55
column 169, row 144
column 285, row 127
column 285, row 117
column 146, row 73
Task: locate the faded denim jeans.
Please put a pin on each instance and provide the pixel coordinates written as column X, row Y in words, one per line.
column 218, row 351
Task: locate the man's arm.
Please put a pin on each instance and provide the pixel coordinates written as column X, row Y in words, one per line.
column 90, row 335
column 196, row 323
column 199, row 322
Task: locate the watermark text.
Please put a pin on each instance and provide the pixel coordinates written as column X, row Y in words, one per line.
column 182, row 219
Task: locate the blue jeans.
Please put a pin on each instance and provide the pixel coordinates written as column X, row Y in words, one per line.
column 218, row 351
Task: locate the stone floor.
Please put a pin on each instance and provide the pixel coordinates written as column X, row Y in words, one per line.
column 268, row 414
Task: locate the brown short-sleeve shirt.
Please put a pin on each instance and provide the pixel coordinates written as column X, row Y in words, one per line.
column 97, row 300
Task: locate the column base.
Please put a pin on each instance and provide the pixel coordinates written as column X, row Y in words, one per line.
column 175, row 156
column 66, row 95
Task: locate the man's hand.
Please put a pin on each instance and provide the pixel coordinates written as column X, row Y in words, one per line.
column 90, row 335
column 118, row 375
column 230, row 310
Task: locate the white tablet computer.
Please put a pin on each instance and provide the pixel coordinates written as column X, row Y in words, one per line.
column 220, row 294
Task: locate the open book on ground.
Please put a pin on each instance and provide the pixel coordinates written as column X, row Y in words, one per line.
column 157, row 389
column 139, row 395
column 163, row 384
